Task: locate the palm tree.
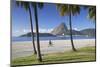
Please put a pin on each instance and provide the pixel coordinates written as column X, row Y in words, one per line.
column 92, row 12
column 69, row 10
column 37, row 29
column 27, row 6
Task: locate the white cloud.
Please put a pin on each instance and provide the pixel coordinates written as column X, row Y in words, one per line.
column 43, row 30
column 76, row 29
column 20, row 32
column 23, row 31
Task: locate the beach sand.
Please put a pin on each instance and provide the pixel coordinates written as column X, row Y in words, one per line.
column 22, row 49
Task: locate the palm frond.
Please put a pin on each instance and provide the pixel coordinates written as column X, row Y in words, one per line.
column 58, row 6
column 33, row 4
column 63, row 9
column 18, row 3
column 75, row 10
column 92, row 12
column 26, row 5
column 40, row 5
column 23, row 4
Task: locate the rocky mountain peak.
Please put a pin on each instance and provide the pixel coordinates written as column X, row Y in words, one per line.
column 60, row 30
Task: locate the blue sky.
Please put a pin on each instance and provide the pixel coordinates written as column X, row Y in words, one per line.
column 48, row 17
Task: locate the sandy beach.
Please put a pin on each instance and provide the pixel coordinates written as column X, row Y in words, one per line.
column 22, row 49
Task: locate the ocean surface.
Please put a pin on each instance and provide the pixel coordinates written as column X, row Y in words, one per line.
column 17, row 39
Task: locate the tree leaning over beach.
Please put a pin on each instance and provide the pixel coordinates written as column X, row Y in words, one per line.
column 69, row 10
column 27, row 6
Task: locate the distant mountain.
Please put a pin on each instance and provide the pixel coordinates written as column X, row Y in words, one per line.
column 89, row 32
column 74, row 32
column 63, row 30
column 40, row 34
column 60, row 30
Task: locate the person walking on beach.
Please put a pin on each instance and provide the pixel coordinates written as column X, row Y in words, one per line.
column 50, row 43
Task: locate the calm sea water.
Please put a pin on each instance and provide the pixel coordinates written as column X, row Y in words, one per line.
column 50, row 38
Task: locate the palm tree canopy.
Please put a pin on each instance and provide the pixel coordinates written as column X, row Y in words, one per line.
column 65, row 9
column 26, row 4
column 92, row 13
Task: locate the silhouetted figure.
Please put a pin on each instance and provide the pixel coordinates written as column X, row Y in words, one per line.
column 50, row 43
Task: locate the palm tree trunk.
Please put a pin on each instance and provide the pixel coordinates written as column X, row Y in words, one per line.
column 70, row 23
column 32, row 34
column 37, row 33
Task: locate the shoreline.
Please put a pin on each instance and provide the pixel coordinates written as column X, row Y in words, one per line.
column 51, row 40
column 22, row 49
